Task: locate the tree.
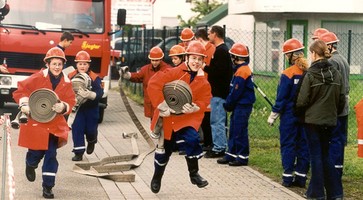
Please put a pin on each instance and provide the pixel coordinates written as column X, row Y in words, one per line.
column 202, row 8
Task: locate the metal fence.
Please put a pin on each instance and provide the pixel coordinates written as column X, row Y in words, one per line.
column 267, row 62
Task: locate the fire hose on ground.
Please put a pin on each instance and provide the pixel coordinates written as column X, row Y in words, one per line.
column 115, row 163
column 176, row 93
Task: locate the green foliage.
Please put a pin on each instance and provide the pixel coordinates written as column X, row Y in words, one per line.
column 202, row 8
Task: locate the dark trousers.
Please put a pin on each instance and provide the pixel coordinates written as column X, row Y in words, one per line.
column 338, row 143
column 324, row 176
column 85, row 125
column 187, row 139
column 50, row 163
column 238, row 142
column 207, row 132
column 294, row 149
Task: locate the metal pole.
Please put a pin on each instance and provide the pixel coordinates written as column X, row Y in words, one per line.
column 349, row 45
column 263, row 94
column 3, row 174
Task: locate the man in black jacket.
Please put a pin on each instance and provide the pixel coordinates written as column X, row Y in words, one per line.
column 219, row 76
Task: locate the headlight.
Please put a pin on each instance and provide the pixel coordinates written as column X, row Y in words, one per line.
column 5, row 80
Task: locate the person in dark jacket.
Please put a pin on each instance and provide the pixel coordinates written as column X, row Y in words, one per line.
column 341, row 131
column 219, row 76
column 321, row 98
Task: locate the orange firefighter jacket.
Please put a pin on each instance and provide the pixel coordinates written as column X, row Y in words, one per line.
column 201, row 95
column 143, row 76
column 359, row 115
column 35, row 135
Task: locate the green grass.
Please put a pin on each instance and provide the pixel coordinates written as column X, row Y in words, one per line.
column 264, row 140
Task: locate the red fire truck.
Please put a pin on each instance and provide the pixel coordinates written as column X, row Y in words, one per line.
column 30, row 28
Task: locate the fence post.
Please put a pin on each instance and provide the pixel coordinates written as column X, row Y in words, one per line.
column 152, row 36
column 164, row 37
column 349, row 45
column 225, row 30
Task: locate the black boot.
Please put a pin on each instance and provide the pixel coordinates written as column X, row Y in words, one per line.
column 47, row 192
column 156, row 180
column 77, row 157
column 30, row 173
column 193, row 168
column 90, row 147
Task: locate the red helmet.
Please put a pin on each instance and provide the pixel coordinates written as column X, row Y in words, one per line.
column 292, row 45
column 176, row 50
column 55, row 52
column 196, row 48
column 329, row 38
column 156, row 53
column 82, row 56
column 239, row 49
column 186, row 35
column 318, row 32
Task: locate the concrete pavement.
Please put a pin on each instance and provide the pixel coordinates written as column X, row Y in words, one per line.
column 224, row 182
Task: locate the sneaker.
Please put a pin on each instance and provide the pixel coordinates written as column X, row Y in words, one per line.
column 90, row 148
column 214, row 154
column 222, row 161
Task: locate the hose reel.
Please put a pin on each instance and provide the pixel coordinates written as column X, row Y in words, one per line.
column 176, row 94
column 41, row 102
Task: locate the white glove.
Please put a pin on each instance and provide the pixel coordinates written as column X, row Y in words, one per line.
column 87, row 94
column 124, row 70
column 25, row 109
column 59, row 107
column 190, row 108
column 271, row 119
column 126, row 75
column 164, row 109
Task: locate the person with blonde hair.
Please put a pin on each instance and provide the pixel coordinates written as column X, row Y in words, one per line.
column 293, row 144
column 319, row 101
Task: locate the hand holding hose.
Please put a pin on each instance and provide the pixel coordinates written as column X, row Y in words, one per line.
column 164, row 109
column 190, row 108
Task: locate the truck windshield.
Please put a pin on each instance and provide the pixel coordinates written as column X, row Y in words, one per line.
column 55, row 15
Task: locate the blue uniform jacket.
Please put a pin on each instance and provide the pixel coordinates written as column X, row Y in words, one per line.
column 286, row 90
column 241, row 91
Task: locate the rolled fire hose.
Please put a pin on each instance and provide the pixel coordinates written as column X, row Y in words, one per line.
column 112, row 164
column 176, row 94
column 41, row 102
column 80, row 80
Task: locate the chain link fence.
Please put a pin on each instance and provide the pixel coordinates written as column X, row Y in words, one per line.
column 267, row 62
